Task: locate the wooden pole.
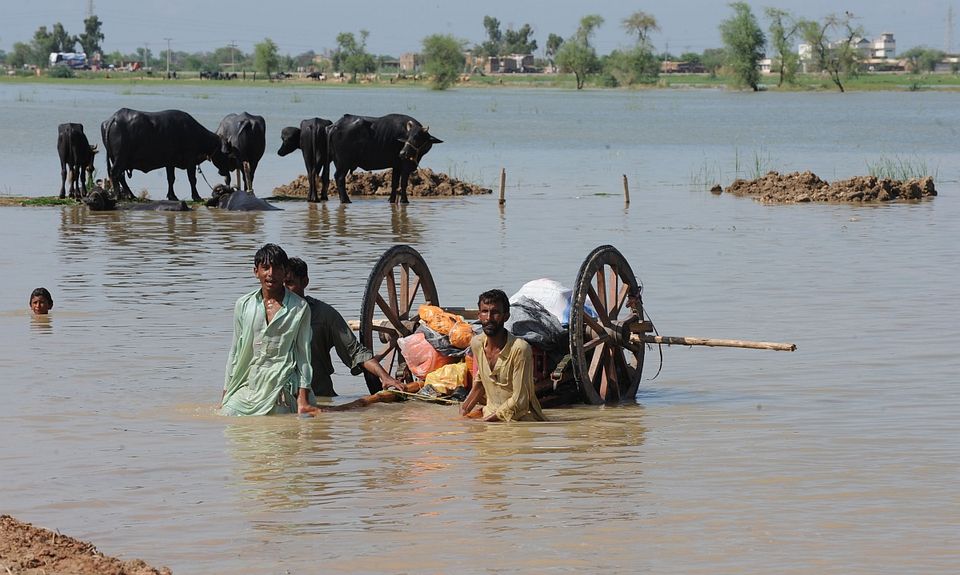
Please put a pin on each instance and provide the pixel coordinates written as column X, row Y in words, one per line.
column 626, row 190
column 669, row 340
column 503, row 186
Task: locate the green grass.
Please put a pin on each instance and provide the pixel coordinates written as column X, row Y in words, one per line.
column 898, row 168
column 41, row 201
column 804, row 82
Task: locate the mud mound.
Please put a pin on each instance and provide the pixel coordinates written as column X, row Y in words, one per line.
column 25, row 549
column 423, row 183
column 799, row 187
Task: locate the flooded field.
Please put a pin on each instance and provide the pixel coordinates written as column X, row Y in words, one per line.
column 840, row 457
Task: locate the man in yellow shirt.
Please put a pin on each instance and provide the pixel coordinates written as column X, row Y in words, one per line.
column 504, row 367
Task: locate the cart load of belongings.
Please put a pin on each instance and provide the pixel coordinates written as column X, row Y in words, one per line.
column 438, row 352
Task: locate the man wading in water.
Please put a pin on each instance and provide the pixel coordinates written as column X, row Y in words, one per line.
column 505, row 367
column 268, row 368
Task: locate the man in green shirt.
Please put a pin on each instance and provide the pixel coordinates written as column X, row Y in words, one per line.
column 330, row 331
column 268, row 368
column 504, row 367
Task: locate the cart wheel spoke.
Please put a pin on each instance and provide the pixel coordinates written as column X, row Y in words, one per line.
column 392, row 294
column 405, row 300
column 598, row 305
column 412, row 293
column 620, row 299
column 392, row 316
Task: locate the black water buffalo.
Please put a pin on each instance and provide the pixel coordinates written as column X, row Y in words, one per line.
column 77, row 154
column 311, row 139
column 236, row 200
column 100, row 200
column 244, row 138
column 392, row 141
column 146, row 141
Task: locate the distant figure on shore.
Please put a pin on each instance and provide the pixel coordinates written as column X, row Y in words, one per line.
column 41, row 302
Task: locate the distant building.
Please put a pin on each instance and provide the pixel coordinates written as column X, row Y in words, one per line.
column 876, row 54
column 884, row 46
column 675, row 67
column 509, row 64
column 410, row 62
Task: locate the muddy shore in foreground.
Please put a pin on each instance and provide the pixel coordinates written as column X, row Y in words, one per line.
column 29, row 550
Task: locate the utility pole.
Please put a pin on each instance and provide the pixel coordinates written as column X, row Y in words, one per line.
column 146, row 54
column 90, row 9
column 168, row 57
column 949, row 40
column 233, row 47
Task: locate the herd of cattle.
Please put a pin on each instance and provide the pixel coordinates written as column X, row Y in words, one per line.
column 173, row 139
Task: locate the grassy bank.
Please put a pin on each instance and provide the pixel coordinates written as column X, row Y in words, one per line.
column 809, row 82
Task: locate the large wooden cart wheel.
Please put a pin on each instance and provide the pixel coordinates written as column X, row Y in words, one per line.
column 606, row 364
column 399, row 283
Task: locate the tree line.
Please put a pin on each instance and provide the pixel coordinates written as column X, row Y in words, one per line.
column 831, row 39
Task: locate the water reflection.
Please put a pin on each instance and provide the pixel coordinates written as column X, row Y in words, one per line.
column 404, row 228
column 270, row 455
column 41, row 323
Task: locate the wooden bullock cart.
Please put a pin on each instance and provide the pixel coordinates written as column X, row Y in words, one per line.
column 606, row 348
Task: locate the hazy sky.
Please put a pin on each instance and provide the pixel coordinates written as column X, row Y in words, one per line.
column 398, row 26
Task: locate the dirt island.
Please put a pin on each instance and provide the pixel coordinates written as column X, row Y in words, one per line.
column 423, row 183
column 801, row 187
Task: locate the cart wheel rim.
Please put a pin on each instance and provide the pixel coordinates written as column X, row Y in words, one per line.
column 398, row 284
column 606, row 370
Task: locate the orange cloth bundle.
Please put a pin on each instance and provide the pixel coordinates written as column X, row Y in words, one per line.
column 438, row 320
column 460, row 335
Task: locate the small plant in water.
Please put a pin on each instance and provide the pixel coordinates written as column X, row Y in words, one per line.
column 706, row 176
column 898, row 168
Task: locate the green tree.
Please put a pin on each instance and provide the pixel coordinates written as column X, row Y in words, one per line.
column 92, row 35
column 41, row 47
column 588, row 25
column 641, row 24
column 443, row 60
column 839, row 59
column 743, row 40
column 576, row 55
column 691, row 57
column 783, row 32
column 265, row 57
column 922, row 59
column 493, row 45
column 351, row 55
column 519, row 41
column 21, row 56
column 629, row 67
column 713, row 59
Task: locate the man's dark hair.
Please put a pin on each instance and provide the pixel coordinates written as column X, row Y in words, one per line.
column 272, row 255
column 42, row 292
column 495, row 296
column 297, row 267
